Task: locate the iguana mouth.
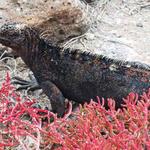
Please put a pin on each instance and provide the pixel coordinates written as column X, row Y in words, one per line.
column 5, row 41
column 8, row 42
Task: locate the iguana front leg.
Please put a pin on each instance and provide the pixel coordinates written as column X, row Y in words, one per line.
column 51, row 90
column 56, row 97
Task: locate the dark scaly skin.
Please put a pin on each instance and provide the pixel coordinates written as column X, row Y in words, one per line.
column 78, row 75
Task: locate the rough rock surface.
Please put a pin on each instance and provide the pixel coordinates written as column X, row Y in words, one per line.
column 121, row 31
column 56, row 21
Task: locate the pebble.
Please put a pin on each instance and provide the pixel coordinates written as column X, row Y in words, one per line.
column 139, row 24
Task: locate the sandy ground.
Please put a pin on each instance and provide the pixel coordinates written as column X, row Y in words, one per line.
column 120, row 30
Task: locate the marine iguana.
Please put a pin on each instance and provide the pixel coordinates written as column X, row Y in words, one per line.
column 73, row 74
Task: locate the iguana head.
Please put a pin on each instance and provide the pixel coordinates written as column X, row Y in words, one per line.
column 12, row 35
column 18, row 36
